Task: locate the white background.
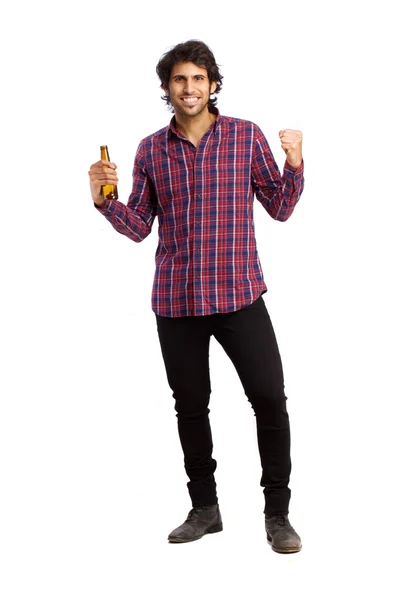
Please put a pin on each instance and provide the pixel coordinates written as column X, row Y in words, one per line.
column 91, row 470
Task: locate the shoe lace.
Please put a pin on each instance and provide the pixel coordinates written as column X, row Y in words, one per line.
column 194, row 512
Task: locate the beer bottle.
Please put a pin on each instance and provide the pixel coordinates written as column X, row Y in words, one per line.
column 108, row 192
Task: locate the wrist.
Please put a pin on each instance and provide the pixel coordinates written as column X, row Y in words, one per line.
column 294, row 158
column 294, row 164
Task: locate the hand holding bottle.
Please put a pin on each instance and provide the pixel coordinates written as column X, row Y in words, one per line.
column 103, row 179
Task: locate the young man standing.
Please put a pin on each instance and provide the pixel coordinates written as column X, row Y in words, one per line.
column 199, row 176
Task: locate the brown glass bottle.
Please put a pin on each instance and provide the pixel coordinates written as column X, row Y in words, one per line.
column 108, row 192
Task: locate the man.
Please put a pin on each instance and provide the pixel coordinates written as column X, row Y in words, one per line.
column 199, row 176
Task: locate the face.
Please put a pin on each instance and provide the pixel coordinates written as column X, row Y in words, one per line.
column 189, row 89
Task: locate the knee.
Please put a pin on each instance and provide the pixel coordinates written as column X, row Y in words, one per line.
column 270, row 404
column 191, row 406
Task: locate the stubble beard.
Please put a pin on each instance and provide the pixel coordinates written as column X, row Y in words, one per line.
column 177, row 107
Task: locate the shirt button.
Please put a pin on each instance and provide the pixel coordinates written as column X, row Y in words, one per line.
column 198, row 196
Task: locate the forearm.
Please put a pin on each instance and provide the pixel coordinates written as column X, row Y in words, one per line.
column 292, row 187
column 125, row 220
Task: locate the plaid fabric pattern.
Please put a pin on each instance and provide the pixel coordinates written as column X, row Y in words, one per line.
column 206, row 259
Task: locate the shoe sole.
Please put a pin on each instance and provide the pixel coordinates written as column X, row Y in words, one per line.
column 285, row 550
column 178, row 540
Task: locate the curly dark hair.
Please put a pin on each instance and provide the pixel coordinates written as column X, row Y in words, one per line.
column 193, row 51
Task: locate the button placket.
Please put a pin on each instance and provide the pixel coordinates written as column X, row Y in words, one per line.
column 198, row 181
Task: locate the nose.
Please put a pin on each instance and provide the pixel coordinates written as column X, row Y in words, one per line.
column 188, row 88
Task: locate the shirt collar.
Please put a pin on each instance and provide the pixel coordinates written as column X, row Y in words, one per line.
column 212, row 109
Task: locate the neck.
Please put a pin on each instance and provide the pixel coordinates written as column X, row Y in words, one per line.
column 194, row 128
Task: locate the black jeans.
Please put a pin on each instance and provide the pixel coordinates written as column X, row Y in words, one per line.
column 248, row 338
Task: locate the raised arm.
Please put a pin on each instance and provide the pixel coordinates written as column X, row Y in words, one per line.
column 278, row 193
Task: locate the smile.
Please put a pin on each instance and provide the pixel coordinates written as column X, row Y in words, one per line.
column 191, row 100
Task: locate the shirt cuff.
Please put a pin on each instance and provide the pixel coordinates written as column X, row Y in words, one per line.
column 295, row 171
column 104, row 207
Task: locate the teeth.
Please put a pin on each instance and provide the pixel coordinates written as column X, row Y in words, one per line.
column 190, row 100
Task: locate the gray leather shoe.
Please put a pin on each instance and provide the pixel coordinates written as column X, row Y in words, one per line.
column 200, row 520
column 281, row 535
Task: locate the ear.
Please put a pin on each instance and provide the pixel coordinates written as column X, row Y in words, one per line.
column 213, row 87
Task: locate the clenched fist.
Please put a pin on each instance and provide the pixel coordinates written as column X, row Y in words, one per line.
column 291, row 140
column 101, row 173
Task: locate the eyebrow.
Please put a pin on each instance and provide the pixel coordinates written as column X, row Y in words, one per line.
column 195, row 75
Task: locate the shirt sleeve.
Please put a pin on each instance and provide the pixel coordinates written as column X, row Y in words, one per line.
column 135, row 219
column 278, row 193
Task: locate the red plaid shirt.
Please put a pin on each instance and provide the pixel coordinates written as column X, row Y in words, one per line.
column 206, row 259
